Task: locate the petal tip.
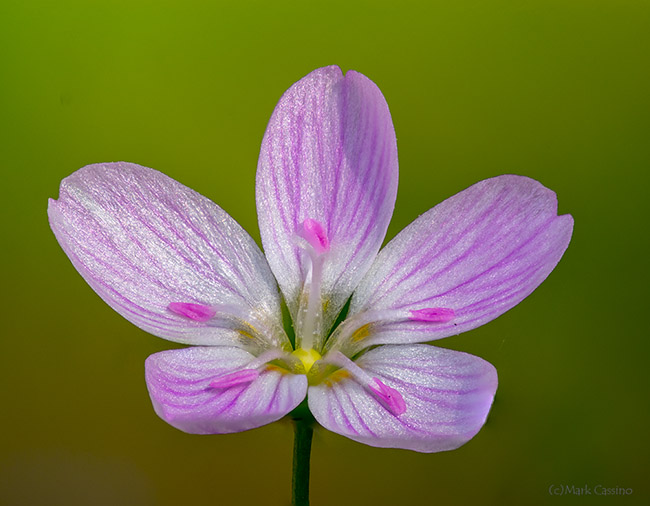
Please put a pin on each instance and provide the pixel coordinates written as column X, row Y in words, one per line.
column 52, row 204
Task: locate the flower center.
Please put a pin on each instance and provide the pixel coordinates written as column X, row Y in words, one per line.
column 307, row 357
column 351, row 335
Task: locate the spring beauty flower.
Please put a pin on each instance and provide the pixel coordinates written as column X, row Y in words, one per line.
column 176, row 265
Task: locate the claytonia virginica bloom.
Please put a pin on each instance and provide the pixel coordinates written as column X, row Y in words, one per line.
column 178, row 266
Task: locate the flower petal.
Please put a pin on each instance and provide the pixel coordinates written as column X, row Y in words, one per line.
column 447, row 396
column 145, row 242
column 471, row 258
column 329, row 155
column 179, row 386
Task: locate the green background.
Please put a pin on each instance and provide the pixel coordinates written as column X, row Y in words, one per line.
column 555, row 90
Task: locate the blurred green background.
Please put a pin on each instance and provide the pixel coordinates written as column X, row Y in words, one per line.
column 556, row 90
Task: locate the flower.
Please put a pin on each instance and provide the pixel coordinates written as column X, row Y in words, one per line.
column 176, row 265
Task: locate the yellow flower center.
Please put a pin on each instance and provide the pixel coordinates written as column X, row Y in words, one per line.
column 307, row 357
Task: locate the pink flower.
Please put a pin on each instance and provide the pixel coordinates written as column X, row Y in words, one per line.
column 178, row 266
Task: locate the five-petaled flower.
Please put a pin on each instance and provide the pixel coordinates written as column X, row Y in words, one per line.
column 176, row 265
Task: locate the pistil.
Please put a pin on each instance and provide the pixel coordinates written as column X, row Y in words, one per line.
column 313, row 239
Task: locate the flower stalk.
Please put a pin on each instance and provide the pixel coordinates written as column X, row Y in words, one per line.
column 301, row 457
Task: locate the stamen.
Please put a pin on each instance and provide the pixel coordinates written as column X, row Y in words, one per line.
column 433, row 314
column 250, row 373
column 196, row 312
column 247, row 318
column 361, row 333
column 338, row 359
column 390, row 398
column 259, row 332
column 235, row 378
column 362, row 326
column 336, row 376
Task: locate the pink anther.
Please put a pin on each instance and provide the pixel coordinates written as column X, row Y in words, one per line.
column 433, row 314
column 197, row 312
column 389, row 397
column 314, row 233
column 235, row 378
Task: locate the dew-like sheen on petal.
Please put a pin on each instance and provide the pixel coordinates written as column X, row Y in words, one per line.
column 478, row 254
column 329, row 155
column 176, row 265
column 144, row 241
column 447, row 396
column 180, row 386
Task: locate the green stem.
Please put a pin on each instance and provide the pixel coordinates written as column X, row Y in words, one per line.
column 301, row 457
